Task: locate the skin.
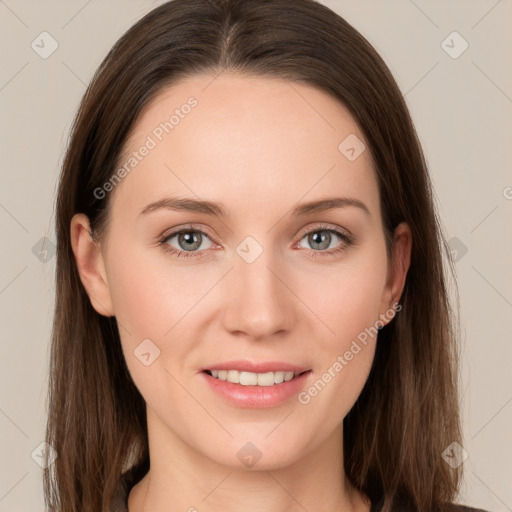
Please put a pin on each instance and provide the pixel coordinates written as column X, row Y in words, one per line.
column 259, row 146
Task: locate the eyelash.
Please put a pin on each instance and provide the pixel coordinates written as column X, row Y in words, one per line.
column 346, row 238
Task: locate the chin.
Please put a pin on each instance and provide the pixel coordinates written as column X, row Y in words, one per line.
column 261, row 453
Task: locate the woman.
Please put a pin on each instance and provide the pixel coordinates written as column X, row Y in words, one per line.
column 251, row 307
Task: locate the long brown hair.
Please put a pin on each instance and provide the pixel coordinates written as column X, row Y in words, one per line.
column 408, row 411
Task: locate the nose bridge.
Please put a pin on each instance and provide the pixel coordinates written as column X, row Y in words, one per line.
column 259, row 304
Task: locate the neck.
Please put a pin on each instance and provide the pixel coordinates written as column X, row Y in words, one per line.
column 181, row 479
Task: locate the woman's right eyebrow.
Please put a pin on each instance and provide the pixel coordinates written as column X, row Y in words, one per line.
column 185, row 204
column 218, row 210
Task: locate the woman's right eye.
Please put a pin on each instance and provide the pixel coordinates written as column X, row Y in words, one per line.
column 188, row 241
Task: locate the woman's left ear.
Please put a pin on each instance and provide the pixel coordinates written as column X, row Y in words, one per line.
column 399, row 266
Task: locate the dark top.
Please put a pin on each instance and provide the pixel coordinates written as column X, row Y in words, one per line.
column 120, row 501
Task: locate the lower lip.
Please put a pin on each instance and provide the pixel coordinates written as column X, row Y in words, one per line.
column 257, row 396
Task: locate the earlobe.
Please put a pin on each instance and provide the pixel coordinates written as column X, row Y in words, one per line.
column 90, row 265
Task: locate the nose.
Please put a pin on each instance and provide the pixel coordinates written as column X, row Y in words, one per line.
column 258, row 301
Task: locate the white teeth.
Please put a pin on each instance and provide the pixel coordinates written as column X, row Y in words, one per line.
column 233, row 376
column 248, row 379
column 266, row 379
column 278, row 377
column 253, row 379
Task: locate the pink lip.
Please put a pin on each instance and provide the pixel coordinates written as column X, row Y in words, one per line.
column 250, row 366
column 257, row 396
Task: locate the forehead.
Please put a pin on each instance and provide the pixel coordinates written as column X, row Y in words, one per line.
column 251, row 142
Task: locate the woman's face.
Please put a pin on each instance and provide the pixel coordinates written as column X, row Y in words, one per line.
column 264, row 286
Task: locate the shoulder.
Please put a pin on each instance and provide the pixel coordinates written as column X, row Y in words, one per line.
column 445, row 507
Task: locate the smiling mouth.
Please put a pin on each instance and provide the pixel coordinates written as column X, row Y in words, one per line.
column 254, row 379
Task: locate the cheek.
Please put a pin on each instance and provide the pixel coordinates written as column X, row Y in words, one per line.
column 149, row 302
column 154, row 300
column 348, row 302
column 334, row 391
column 353, row 302
column 344, row 359
column 347, row 297
column 150, row 295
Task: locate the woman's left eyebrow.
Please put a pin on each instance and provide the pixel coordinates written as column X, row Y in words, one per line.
column 217, row 209
column 329, row 203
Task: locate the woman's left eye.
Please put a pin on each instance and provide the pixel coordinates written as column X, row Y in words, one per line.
column 190, row 242
column 321, row 238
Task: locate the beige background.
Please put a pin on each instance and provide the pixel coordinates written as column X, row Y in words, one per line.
column 462, row 108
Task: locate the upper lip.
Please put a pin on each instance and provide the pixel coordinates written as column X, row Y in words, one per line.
column 256, row 367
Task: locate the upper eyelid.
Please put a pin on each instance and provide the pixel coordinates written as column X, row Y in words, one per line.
column 177, row 231
column 325, row 227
